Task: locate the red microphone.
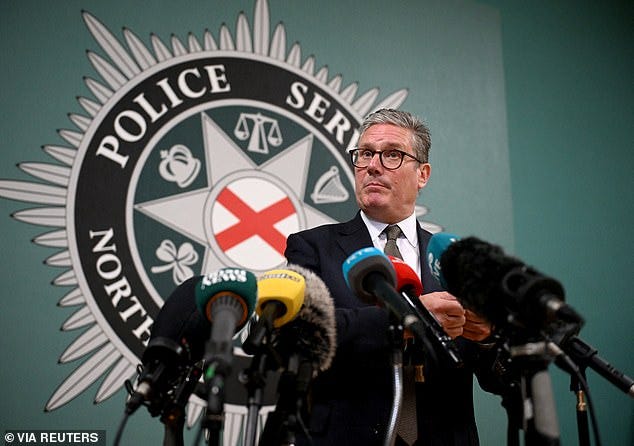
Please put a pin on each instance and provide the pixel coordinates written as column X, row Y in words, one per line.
column 410, row 287
column 407, row 280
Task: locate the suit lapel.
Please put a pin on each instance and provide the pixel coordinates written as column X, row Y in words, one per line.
column 353, row 235
column 429, row 282
column 423, row 239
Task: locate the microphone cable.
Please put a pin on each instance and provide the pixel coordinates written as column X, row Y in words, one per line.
column 122, row 424
column 563, row 361
column 126, row 413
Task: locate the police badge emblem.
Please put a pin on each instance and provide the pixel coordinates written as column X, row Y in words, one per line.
column 189, row 157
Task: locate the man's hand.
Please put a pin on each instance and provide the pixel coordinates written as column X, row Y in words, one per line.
column 476, row 328
column 447, row 311
column 454, row 319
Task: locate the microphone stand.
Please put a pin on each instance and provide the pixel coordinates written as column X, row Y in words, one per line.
column 561, row 336
column 214, row 417
column 395, row 336
column 217, row 366
column 173, row 432
column 574, row 357
column 577, row 389
column 281, row 424
column 173, row 415
column 253, row 379
column 539, row 415
column 258, row 344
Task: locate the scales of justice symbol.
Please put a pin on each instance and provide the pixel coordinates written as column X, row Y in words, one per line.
column 259, row 138
column 264, row 131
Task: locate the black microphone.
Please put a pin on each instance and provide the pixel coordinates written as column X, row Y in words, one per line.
column 499, row 287
column 164, row 361
column 585, row 355
column 176, row 342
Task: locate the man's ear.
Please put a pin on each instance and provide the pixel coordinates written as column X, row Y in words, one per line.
column 424, row 172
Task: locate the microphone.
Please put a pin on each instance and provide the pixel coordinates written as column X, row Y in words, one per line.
column 176, row 342
column 407, row 280
column 307, row 345
column 585, row 355
column 370, row 275
column 280, row 297
column 164, row 361
column 503, row 289
column 499, row 287
column 226, row 298
column 410, row 286
column 437, row 245
column 312, row 333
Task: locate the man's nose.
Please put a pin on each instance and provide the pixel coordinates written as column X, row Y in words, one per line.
column 375, row 162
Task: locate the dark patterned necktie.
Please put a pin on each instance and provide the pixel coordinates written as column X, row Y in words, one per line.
column 406, row 425
column 391, row 249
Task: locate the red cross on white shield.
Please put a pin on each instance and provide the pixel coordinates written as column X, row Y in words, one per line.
column 251, row 218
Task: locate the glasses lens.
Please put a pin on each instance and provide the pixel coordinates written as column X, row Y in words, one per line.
column 354, row 157
column 391, row 159
column 360, row 157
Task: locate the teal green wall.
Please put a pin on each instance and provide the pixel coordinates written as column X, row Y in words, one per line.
column 530, row 105
column 570, row 101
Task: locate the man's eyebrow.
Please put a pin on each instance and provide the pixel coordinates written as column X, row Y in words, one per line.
column 390, row 145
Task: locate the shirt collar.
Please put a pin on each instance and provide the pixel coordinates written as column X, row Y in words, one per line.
column 408, row 226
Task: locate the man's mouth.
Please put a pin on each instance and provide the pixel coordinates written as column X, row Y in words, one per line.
column 375, row 184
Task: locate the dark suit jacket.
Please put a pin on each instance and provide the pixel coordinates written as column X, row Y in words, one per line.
column 350, row 403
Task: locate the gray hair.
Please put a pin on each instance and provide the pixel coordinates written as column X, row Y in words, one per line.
column 421, row 136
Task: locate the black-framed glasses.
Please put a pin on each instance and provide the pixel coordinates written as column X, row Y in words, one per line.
column 391, row 159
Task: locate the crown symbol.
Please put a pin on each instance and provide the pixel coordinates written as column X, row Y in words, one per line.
column 179, row 166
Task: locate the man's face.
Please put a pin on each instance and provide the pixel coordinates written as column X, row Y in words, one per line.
column 385, row 195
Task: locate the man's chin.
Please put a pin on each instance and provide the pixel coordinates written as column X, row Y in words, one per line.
column 375, row 205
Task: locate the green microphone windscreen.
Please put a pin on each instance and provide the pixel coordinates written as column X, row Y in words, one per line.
column 235, row 283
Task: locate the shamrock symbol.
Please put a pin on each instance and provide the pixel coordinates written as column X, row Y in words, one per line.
column 177, row 260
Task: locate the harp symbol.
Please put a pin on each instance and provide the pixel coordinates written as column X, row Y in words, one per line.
column 329, row 189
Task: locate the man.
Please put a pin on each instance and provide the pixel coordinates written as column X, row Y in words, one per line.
column 351, row 402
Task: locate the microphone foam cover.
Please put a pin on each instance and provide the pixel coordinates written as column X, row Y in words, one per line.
column 315, row 326
column 235, row 282
column 406, row 277
column 180, row 320
column 474, row 270
column 363, row 262
column 165, row 350
column 438, row 244
column 281, row 285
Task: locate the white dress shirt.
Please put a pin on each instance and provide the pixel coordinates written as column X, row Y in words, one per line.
column 407, row 243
